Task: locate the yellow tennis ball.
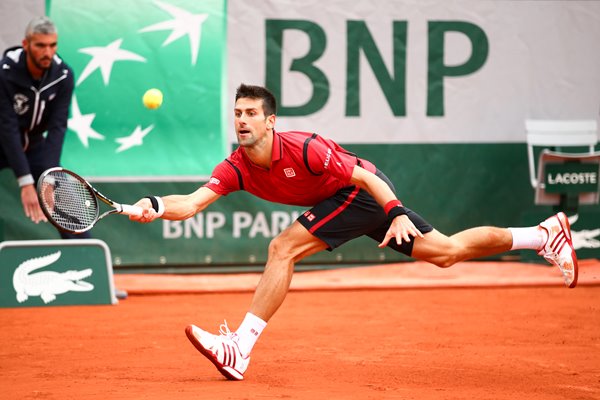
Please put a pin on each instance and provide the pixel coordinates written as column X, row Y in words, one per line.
column 153, row 98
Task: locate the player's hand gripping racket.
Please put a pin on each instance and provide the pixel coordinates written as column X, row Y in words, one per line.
column 71, row 204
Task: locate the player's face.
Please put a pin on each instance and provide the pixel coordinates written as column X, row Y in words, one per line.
column 251, row 124
column 40, row 49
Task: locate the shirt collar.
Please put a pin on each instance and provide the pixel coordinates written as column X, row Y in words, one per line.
column 276, row 153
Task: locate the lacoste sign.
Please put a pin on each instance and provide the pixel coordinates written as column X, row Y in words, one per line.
column 48, row 284
column 571, row 177
column 55, row 272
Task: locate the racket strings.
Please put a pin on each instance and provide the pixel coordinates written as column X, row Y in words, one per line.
column 69, row 202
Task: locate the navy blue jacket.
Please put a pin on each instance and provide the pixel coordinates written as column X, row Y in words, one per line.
column 28, row 109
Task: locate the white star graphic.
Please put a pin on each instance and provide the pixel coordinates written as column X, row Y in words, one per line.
column 135, row 139
column 82, row 124
column 104, row 58
column 183, row 23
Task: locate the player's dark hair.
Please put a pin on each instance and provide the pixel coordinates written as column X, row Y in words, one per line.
column 258, row 92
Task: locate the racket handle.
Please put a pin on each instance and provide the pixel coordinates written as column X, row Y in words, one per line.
column 131, row 210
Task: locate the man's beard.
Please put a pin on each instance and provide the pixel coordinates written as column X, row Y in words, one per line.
column 247, row 142
column 38, row 62
column 39, row 65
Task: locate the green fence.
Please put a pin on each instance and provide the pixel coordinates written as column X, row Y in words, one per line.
column 454, row 186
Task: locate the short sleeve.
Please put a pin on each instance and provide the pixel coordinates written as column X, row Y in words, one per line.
column 223, row 179
column 327, row 157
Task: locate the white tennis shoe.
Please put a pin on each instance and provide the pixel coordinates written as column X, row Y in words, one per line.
column 558, row 249
column 222, row 350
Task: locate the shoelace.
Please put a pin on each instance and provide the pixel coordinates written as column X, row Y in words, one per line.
column 225, row 331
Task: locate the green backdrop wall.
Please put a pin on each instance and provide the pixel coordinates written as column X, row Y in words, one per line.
column 454, row 186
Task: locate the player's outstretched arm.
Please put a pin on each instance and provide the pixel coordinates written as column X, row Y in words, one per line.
column 177, row 206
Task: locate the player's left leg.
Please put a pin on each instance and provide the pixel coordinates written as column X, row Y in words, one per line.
column 230, row 351
column 289, row 247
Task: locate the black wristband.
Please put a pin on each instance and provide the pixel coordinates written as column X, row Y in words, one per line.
column 396, row 211
column 153, row 201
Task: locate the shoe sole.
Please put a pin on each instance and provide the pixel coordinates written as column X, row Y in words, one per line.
column 189, row 331
column 566, row 226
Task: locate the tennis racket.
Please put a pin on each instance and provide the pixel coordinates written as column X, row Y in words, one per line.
column 71, row 204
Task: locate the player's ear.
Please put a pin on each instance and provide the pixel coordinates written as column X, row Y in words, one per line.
column 271, row 121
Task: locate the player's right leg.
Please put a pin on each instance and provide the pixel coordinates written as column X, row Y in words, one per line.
column 445, row 251
column 551, row 239
column 558, row 249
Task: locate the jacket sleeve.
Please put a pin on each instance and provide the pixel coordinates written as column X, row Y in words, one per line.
column 10, row 135
column 57, row 122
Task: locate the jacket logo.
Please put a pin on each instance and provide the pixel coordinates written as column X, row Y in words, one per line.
column 20, row 104
column 289, row 172
column 214, row 181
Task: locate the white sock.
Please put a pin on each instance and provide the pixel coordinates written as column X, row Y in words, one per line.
column 528, row 238
column 248, row 333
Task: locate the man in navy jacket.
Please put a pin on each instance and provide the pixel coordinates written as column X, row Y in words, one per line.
column 36, row 87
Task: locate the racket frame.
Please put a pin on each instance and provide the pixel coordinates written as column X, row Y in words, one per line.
column 117, row 208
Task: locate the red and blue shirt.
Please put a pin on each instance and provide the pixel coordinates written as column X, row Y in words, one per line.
column 305, row 170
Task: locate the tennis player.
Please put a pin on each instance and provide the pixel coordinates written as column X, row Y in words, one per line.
column 347, row 197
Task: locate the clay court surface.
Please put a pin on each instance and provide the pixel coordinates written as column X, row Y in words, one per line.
column 467, row 339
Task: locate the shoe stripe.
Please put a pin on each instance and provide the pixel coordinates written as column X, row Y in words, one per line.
column 225, row 354
column 228, row 352
column 233, row 358
column 559, row 244
column 229, row 356
column 564, row 224
column 560, row 247
column 557, row 239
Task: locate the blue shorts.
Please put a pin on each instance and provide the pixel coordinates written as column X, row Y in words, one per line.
column 352, row 212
